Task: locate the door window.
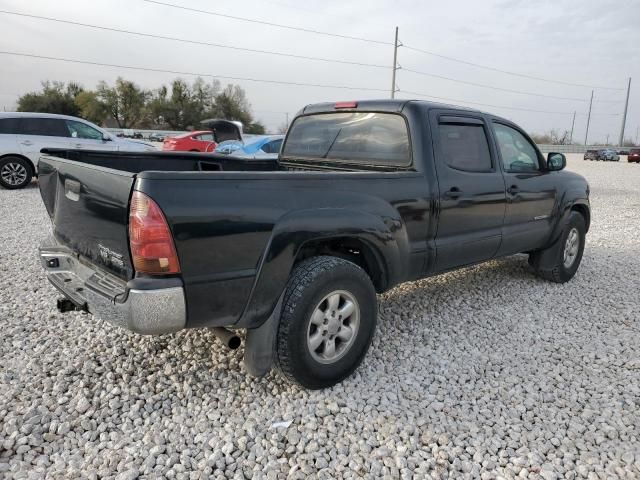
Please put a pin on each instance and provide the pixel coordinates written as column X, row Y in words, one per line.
column 518, row 154
column 8, row 125
column 47, row 127
column 204, row 137
column 82, row 130
column 272, row 147
column 465, row 147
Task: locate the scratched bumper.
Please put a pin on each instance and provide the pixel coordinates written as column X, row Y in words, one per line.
column 145, row 310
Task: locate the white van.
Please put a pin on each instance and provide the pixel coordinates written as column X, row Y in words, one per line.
column 23, row 135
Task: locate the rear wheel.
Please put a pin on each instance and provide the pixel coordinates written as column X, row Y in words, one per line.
column 15, row 172
column 328, row 319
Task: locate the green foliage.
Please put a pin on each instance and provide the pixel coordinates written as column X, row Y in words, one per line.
column 255, row 128
column 125, row 102
column 54, row 98
column 180, row 106
column 91, row 108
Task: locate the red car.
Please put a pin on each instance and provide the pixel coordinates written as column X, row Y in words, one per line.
column 205, row 140
column 198, row 141
column 634, row 155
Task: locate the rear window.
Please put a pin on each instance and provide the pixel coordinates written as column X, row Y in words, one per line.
column 8, row 125
column 48, row 127
column 634, row 151
column 363, row 137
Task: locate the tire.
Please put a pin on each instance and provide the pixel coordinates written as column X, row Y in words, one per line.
column 311, row 292
column 552, row 264
column 15, row 173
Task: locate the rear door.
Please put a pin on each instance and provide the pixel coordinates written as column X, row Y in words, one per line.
column 86, row 137
column 531, row 190
column 471, row 190
column 36, row 133
column 204, row 142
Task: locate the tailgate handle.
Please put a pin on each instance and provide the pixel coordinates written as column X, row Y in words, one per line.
column 72, row 190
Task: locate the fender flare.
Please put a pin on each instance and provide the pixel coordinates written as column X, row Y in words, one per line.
column 386, row 236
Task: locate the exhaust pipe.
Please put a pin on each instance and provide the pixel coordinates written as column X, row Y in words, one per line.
column 226, row 336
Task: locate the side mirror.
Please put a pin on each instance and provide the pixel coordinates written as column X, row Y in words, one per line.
column 106, row 137
column 556, row 161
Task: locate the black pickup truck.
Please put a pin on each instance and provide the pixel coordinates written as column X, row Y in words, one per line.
column 363, row 196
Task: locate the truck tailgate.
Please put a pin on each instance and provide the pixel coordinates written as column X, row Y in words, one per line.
column 88, row 206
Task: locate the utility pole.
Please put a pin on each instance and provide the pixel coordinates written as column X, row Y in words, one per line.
column 395, row 66
column 624, row 115
column 573, row 122
column 637, row 133
column 586, row 134
column 287, row 114
column 607, row 142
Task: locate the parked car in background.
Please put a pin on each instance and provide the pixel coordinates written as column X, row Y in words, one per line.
column 623, row 152
column 204, row 141
column 262, row 147
column 591, row 155
column 156, row 137
column 608, row 155
column 634, row 155
column 198, row 141
column 23, row 135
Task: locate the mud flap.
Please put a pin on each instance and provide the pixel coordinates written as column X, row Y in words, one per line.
column 259, row 350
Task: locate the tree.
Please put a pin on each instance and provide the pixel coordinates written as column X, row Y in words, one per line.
column 282, row 128
column 55, row 97
column 185, row 105
column 232, row 104
column 125, row 102
column 91, row 108
column 255, row 128
column 552, row 137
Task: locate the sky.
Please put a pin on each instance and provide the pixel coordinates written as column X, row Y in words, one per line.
column 579, row 44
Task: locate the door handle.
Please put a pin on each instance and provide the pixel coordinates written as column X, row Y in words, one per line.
column 27, row 143
column 78, row 145
column 453, row 192
column 513, row 190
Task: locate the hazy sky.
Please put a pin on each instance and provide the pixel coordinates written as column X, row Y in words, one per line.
column 575, row 41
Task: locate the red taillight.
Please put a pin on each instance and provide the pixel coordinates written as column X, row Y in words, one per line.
column 345, row 105
column 150, row 238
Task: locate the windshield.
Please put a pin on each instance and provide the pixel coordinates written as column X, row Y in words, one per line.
column 364, row 137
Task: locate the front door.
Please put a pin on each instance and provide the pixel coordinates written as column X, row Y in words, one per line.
column 531, row 191
column 471, row 190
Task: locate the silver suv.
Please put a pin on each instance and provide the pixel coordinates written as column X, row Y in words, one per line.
column 23, row 135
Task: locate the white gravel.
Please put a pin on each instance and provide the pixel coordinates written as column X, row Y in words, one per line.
column 487, row 372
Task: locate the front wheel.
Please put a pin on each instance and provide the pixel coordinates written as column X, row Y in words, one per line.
column 329, row 314
column 15, row 172
column 560, row 262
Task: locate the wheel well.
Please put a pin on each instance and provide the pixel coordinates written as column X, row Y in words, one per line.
column 352, row 249
column 33, row 167
column 584, row 211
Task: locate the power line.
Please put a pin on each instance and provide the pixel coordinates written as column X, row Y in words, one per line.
column 507, row 72
column 495, row 106
column 270, row 24
column 194, row 42
column 521, row 92
column 177, row 72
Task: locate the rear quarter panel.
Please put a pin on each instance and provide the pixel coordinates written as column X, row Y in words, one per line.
column 237, row 235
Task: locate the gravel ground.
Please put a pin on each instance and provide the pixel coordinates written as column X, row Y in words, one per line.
column 487, row 372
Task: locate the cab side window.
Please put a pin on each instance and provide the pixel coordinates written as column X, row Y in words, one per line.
column 518, row 154
column 465, row 147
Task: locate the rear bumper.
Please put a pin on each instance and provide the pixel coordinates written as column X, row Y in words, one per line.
column 139, row 306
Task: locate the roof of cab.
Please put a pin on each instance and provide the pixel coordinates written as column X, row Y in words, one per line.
column 382, row 105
